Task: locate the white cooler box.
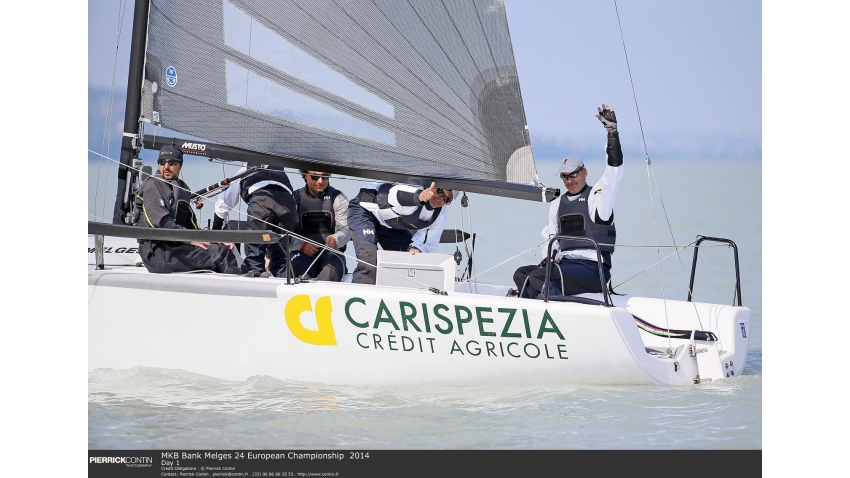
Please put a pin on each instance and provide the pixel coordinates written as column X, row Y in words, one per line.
column 427, row 269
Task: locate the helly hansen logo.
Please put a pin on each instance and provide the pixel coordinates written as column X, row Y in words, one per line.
column 369, row 231
column 582, row 199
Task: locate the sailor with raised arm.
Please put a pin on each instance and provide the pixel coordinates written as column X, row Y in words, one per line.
column 162, row 202
column 268, row 194
column 586, row 211
column 386, row 213
column 322, row 218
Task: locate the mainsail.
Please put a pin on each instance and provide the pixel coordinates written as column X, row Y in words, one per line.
column 418, row 89
column 424, row 87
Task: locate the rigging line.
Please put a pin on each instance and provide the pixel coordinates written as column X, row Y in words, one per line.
column 325, row 247
column 648, row 167
column 648, row 161
column 658, row 250
column 681, row 248
column 306, row 271
column 508, row 260
column 670, row 226
column 653, row 265
column 518, row 254
column 291, row 233
column 628, row 67
column 99, row 219
column 107, row 130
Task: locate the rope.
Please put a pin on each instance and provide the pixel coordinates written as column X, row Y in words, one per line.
column 509, row 259
column 669, row 226
column 634, row 95
column 518, row 254
column 676, row 252
column 648, row 167
column 107, row 129
column 312, row 263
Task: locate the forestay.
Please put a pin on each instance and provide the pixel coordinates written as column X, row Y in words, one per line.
column 424, row 88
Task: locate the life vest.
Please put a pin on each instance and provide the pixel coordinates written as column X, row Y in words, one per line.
column 174, row 193
column 316, row 214
column 574, row 220
column 411, row 222
column 272, row 173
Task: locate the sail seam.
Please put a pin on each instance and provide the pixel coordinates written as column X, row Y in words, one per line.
column 254, row 14
column 424, row 102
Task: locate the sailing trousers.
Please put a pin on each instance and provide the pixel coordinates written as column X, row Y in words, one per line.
column 325, row 266
column 163, row 257
column 367, row 233
column 579, row 277
column 271, row 208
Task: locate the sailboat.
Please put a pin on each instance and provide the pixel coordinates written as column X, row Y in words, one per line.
column 411, row 92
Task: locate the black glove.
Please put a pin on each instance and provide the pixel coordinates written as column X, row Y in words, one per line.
column 608, row 118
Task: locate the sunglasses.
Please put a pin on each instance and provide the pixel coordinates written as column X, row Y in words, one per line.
column 171, row 162
column 316, row 177
column 443, row 195
column 573, row 174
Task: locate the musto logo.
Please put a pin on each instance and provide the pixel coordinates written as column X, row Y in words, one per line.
column 300, row 304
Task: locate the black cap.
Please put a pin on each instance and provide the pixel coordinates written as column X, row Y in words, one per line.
column 170, row 151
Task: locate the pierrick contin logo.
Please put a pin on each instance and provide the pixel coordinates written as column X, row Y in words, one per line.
column 143, row 461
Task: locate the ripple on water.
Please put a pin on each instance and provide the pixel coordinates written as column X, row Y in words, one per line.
column 147, row 407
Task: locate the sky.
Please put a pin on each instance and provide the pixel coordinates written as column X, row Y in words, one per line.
column 696, row 68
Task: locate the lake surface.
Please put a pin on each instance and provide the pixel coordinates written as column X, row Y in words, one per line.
column 151, row 408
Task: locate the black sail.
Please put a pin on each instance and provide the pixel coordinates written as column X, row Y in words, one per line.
column 423, row 88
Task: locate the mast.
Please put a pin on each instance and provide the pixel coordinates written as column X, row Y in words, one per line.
column 129, row 144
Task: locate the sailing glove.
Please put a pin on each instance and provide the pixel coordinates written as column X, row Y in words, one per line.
column 608, row 118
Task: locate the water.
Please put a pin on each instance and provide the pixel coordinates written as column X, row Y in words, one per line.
column 145, row 407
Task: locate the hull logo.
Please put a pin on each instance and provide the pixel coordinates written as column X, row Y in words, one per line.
column 743, row 331
column 299, row 304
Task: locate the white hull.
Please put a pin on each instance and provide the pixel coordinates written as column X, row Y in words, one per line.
column 234, row 327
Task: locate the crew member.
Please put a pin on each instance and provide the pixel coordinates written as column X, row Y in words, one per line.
column 386, row 213
column 583, row 211
column 268, row 194
column 162, row 202
column 322, row 218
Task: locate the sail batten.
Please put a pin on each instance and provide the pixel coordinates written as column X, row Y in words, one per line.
column 423, row 88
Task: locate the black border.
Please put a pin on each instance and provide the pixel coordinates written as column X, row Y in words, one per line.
column 431, row 463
